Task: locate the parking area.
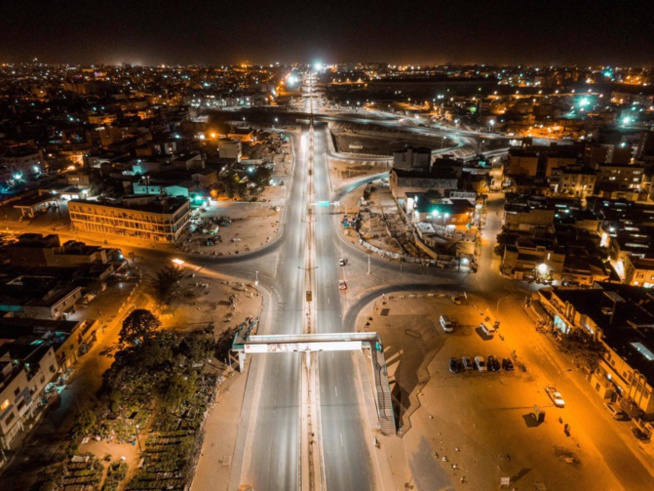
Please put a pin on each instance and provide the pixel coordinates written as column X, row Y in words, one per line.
column 468, row 430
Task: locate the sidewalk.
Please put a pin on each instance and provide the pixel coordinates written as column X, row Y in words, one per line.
column 221, row 432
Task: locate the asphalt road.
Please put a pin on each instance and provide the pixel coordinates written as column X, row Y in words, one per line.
column 272, row 451
column 346, row 457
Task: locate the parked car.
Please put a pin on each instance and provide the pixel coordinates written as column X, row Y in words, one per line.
column 487, row 329
column 639, row 434
column 493, row 364
column 467, row 363
column 446, row 323
column 616, row 412
column 342, row 285
column 481, row 364
column 555, row 395
column 456, row 299
column 342, row 262
column 507, row 364
column 455, row 365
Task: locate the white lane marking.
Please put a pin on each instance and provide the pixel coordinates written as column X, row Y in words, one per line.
column 328, row 301
column 341, row 435
column 336, row 391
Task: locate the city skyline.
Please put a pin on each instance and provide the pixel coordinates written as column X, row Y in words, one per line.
column 203, row 32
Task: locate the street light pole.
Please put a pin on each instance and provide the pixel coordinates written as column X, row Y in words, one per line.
column 138, row 440
column 256, row 278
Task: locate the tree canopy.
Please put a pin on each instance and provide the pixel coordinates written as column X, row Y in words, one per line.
column 164, row 281
column 139, row 326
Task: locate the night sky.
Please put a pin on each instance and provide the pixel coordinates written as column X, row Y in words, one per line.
column 617, row 32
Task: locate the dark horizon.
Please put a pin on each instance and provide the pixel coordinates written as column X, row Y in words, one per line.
column 203, row 32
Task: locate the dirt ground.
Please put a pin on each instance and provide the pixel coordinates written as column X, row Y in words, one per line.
column 253, row 225
column 206, row 298
column 467, row 430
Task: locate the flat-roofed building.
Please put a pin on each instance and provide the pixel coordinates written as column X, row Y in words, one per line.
column 620, row 176
column 639, row 271
column 25, row 371
column 154, row 218
column 576, row 181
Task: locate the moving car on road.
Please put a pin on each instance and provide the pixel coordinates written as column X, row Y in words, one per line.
column 481, row 364
column 342, row 285
column 342, row 262
column 555, row 395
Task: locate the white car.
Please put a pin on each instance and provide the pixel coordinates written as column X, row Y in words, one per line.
column 481, row 364
column 446, row 323
column 555, row 395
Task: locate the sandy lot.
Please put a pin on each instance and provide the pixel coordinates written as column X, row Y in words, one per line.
column 467, row 430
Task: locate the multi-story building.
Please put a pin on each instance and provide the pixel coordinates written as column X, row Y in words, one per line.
column 25, row 371
column 577, row 182
column 412, row 159
column 154, row 218
column 230, row 148
column 19, row 161
column 620, row 176
column 530, row 256
column 523, row 162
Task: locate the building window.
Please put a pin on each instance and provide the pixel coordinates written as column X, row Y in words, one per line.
column 17, row 391
column 21, row 405
column 10, row 418
column 4, row 405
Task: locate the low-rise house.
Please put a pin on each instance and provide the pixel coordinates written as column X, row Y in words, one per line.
column 525, row 218
column 36, row 250
column 39, row 297
column 69, row 339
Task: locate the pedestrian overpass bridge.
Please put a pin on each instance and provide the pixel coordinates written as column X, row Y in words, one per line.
column 245, row 343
